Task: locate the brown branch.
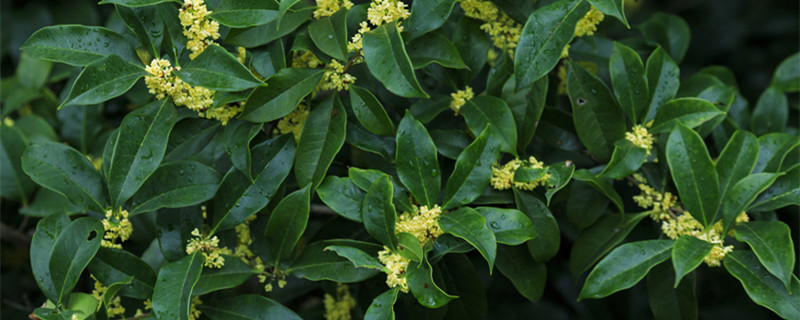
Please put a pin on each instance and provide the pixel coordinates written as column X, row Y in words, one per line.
column 321, row 209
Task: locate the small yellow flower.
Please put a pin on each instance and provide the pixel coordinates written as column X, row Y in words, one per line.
column 242, row 54
column 224, row 113
column 115, row 308
column 8, row 121
column 198, row 29
column 194, row 312
column 503, row 176
column 397, row 266
column 460, row 98
column 117, row 227
column 385, row 11
column 335, row 78
column 294, row 121
column 305, row 59
column 565, row 52
column 209, row 247
column 355, row 43
column 640, row 137
column 326, row 8
column 423, row 223
column 588, row 24
column 338, row 308
column 504, row 31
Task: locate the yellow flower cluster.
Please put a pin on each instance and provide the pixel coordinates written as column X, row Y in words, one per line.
column 196, row 27
column 397, row 266
column 276, row 274
column 503, row 176
column 588, row 24
column 335, row 78
column 423, row 223
column 326, row 8
column 339, row 308
column 565, row 52
column 293, row 122
column 115, row 308
column 649, row 198
column 194, row 312
column 117, row 226
column 460, row 97
column 640, row 137
column 224, row 113
column 242, row 54
column 503, row 30
column 209, row 247
column 162, row 82
column 8, row 121
column 305, row 59
column 380, row 12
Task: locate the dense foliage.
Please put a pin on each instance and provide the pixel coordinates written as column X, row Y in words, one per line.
column 264, row 159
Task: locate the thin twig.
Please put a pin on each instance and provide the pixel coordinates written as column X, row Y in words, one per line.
column 14, row 236
column 321, row 209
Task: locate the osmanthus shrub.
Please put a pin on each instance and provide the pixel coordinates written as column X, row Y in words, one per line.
column 340, row 157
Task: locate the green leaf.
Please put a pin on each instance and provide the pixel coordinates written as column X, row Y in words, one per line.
column 217, row 69
column 771, row 241
column 319, row 144
column 149, row 31
column 560, row 174
column 598, row 239
column 287, row 223
column 763, row 288
column 237, row 135
column 742, row 195
column 72, row 251
column 357, row 136
column 387, row 60
column 598, row 120
column 688, row 253
column 138, row 148
column 176, row 281
column 692, row 112
column 188, row 137
column 510, row 226
column 772, row 151
column 787, row 75
column 771, row 113
column 115, row 265
column 546, row 244
column 628, row 79
column 176, row 185
column 466, row 223
column 585, row 205
column 281, row 95
column 238, row 198
column 669, row 31
column 548, row 30
column 34, row 129
column 102, row 80
column 315, row 263
column 358, row 257
column 342, row 196
column 527, row 275
column 330, row 35
column 434, row 48
column 527, row 106
column 626, row 159
column 736, row 160
column 247, row 307
column 427, row 16
column 670, row 303
column 47, row 231
column 137, row 3
column 784, row 192
column 378, row 212
column 693, row 173
column 67, row 172
column 275, row 29
column 523, row 174
column 408, row 247
column 364, row 179
column 417, row 165
column 624, row 267
column 601, row 184
column 268, row 61
column 14, row 184
column 248, row 13
column 369, row 111
column 483, row 110
column 382, row 307
column 77, row 45
column 420, row 281
column 662, row 80
column 231, row 275
column 472, row 172
column 614, row 8
column 108, row 296
column 472, row 43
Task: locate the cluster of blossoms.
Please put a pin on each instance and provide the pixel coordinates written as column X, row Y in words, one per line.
column 243, row 252
column 380, row 12
column 676, row 222
column 503, row 176
column 199, row 31
column 460, row 97
column 209, row 247
column 338, row 308
column 640, row 137
column 588, row 24
column 305, row 59
column 194, row 312
column 326, row 8
column 335, row 78
column 269, row 277
column 503, row 30
column 423, row 223
column 115, row 308
column 117, row 227
column 293, row 122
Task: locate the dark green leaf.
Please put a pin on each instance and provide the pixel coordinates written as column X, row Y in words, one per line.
column 595, row 241
column 75, row 247
column 771, row 112
column 268, row 61
column 114, row 265
column 427, row 16
column 382, row 307
column 466, row 223
column 417, row 166
column 560, row 174
column 148, row 30
column 358, row 257
column 434, row 48
column 217, row 69
column 378, row 212
column 626, row 159
column 742, row 195
column 771, row 241
column 275, row 29
column 692, row 112
column 231, row 275
column 315, row 263
column 666, row 302
column 287, row 223
column 188, row 137
column 601, row 184
column 662, row 80
column 342, row 196
column 77, row 45
column 736, row 160
column 693, row 173
column 624, row 267
column 42, row 243
column 772, row 151
column 175, row 185
column 359, row 137
column 387, row 60
column 247, row 307
column 527, row 275
column 763, row 288
column 472, row 171
column 283, row 93
column 319, row 144
column 688, row 253
column 787, row 75
column 369, row 111
column 548, row 30
column 330, row 35
column 248, row 13
column 363, row 178
column 420, row 281
column 614, row 8
column 103, row 79
column 173, row 291
column 669, row 31
column 237, row 135
column 14, row 184
column 546, row 244
column 628, row 80
column 510, row 226
column 408, row 247
column 784, row 192
column 483, row 110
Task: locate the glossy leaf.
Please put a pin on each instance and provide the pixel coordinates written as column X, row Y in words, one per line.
column 75, row 247
column 546, row 244
column 772, row 243
column 548, row 30
column 692, row 112
column 510, row 226
column 784, row 192
column 669, row 31
column 408, row 247
column 369, row 111
column 693, row 173
column 527, row 275
column 281, row 95
column 560, row 175
column 624, row 267
column 342, row 196
column 427, row 16
column 47, row 231
column 287, row 223
column 670, row 303
column 188, row 137
column 73, row 45
column 598, row 239
column 358, row 257
column 114, row 265
column 231, row 275
column 173, row 291
column 472, row 171
column 286, row 22
column 330, row 34
column 238, row 135
column 138, row 149
column 417, row 165
column 103, row 79
column 382, row 307
column 786, row 75
column 148, row 31
column 387, row 60
column 319, row 145
column 662, row 80
column 466, row 223
column 742, row 195
column 378, row 212
column 247, row 307
column 315, row 263
column 771, row 112
column 688, row 253
column 434, row 48
column 626, row 159
column 763, row 288
column 628, row 79
column 176, row 185
column 217, row 69
column 614, row 8
column 420, row 281
column 483, row 110
column 14, row 184
column 248, row 13
column 736, row 160
column 601, row 184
